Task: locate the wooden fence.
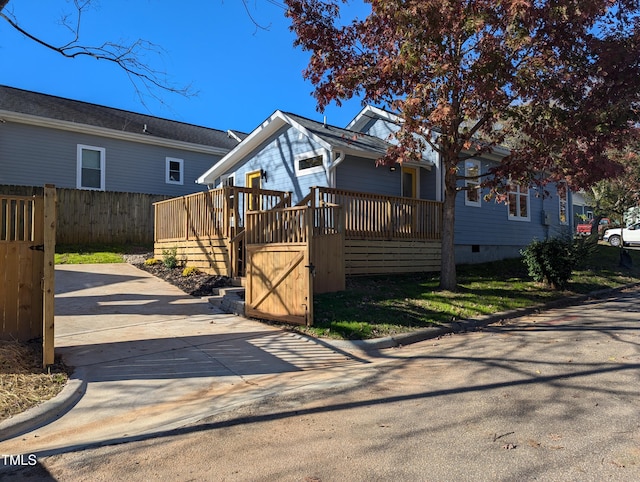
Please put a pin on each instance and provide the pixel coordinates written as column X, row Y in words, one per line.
column 97, row 217
column 27, row 245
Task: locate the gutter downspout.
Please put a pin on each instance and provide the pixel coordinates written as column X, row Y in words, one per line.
column 334, row 164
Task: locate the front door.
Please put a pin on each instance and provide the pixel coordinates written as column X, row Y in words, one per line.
column 253, row 181
column 409, row 182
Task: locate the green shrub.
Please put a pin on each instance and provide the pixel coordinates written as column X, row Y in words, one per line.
column 189, row 271
column 583, row 250
column 552, row 261
column 170, row 257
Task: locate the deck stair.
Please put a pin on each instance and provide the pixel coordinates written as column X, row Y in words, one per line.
column 229, row 299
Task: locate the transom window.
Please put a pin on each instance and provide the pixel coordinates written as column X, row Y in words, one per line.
column 518, row 200
column 309, row 163
column 174, row 173
column 90, row 167
column 472, row 182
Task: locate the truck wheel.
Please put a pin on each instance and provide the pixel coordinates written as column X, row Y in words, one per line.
column 614, row 240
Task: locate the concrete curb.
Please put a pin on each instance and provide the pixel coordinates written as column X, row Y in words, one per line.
column 47, row 411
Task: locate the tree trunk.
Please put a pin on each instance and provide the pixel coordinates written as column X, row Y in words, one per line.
column 448, row 280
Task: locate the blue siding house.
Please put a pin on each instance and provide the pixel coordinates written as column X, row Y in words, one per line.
column 292, row 153
column 51, row 140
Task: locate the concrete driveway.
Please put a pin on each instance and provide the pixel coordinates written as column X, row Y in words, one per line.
column 149, row 357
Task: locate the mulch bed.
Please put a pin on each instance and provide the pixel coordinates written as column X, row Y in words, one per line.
column 196, row 284
column 23, row 381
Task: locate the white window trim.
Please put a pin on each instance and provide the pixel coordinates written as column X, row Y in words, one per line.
column 167, row 173
column 224, row 180
column 468, row 182
column 564, row 199
column 520, row 194
column 311, row 170
column 103, row 163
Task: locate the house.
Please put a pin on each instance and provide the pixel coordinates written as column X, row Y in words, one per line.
column 292, row 153
column 52, row 140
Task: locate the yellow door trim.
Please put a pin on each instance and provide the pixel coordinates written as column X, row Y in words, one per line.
column 254, row 201
column 413, row 173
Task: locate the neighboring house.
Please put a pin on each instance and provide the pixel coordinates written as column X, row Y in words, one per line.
column 582, row 210
column 51, row 140
column 291, row 153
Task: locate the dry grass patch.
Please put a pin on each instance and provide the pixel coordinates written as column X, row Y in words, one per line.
column 23, row 382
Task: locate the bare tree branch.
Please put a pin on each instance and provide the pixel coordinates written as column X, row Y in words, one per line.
column 129, row 57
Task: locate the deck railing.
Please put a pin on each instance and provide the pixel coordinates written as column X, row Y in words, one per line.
column 292, row 225
column 374, row 216
column 219, row 213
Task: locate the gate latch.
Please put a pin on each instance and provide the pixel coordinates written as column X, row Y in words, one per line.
column 312, row 268
column 37, row 247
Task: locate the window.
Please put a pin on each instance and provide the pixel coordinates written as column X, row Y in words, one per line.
column 563, row 195
column 472, row 182
column 309, row 163
column 174, row 171
column 229, row 180
column 518, row 200
column 90, row 172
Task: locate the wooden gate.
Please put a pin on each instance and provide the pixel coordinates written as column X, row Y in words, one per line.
column 27, row 245
column 279, row 281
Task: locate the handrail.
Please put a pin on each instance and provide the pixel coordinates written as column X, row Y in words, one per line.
column 376, row 216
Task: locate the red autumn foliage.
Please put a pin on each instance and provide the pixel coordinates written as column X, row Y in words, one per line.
column 558, row 80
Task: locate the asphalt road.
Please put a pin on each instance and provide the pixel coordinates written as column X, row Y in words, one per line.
column 551, row 397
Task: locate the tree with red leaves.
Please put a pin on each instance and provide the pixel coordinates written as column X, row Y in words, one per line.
column 615, row 196
column 560, row 77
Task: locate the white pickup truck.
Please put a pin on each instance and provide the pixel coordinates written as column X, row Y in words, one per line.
column 628, row 235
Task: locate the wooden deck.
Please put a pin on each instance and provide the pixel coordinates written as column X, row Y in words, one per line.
column 378, row 234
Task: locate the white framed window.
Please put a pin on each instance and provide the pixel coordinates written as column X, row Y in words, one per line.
column 563, row 203
column 229, row 180
column 309, row 163
column 518, row 203
column 90, row 167
column 174, row 172
column 472, row 195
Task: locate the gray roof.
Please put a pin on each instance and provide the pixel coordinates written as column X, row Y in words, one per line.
column 58, row 108
column 339, row 137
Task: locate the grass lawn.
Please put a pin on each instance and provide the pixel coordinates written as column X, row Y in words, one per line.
column 386, row 305
column 90, row 254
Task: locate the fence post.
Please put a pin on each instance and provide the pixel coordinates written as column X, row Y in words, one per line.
column 48, row 348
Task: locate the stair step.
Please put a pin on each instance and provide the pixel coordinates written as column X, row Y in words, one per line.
column 229, row 299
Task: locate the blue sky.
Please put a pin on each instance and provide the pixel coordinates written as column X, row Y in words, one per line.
column 241, row 73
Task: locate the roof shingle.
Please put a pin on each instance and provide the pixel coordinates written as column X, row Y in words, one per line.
column 58, row 108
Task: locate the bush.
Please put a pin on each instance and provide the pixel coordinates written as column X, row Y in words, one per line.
column 190, row 270
column 151, row 262
column 170, row 258
column 552, row 261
